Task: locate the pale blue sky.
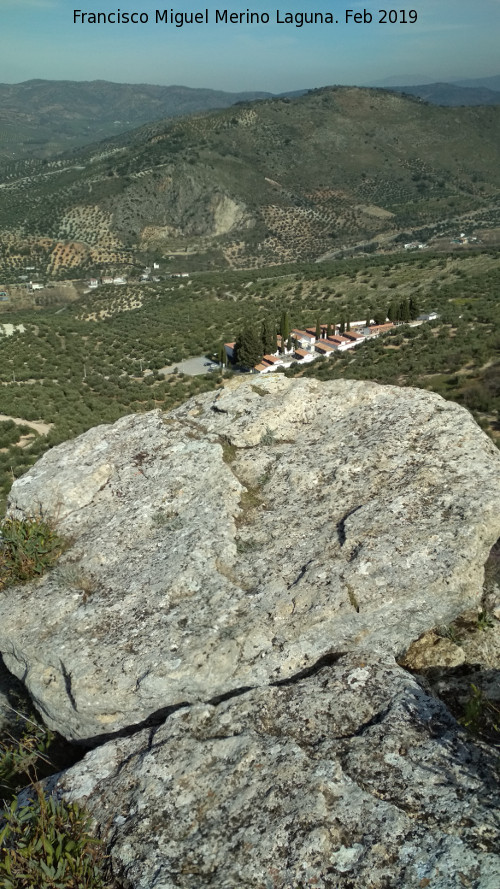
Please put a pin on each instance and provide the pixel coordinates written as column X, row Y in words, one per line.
column 451, row 39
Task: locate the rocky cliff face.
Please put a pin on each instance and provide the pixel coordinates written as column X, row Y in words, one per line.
column 242, row 574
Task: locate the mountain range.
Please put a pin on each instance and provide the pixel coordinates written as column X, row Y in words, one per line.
column 39, row 118
column 276, row 180
column 451, row 94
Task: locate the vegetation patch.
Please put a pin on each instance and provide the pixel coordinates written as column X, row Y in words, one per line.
column 229, row 451
column 28, row 548
column 250, row 500
column 47, row 844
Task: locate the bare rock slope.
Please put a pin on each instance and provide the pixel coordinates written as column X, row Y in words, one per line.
column 243, row 537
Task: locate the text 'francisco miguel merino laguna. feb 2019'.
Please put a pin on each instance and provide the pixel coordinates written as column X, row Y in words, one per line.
column 179, row 18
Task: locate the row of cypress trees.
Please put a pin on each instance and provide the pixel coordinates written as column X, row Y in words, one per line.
column 254, row 342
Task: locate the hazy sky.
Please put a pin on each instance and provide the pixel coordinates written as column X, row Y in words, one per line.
column 451, row 39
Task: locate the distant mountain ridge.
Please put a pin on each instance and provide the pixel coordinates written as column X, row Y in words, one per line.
column 451, row 94
column 43, row 117
column 491, row 83
column 40, row 118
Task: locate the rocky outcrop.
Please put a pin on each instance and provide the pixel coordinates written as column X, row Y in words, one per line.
column 243, row 537
column 349, row 778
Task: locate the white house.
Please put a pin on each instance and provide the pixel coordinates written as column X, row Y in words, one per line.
column 303, row 337
column 429, row 316
column 323, row 347
column 340, row 343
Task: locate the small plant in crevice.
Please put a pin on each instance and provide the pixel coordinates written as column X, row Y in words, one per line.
column 228, row 451
column 268, row 437
column 28, row 548
column 449, row 632
column 74, row 577
column 484, row 620
column 481, row 716
column 247, row 546
column 250, row 500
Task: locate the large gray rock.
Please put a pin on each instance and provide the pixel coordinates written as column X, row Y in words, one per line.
column 241, row 537
column 350, row 777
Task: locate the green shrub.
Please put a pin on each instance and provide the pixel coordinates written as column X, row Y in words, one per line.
column 47, row 845
column 28, row 547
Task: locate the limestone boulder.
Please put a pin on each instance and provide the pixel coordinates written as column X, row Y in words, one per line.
column 352, row 776
column 240, row 538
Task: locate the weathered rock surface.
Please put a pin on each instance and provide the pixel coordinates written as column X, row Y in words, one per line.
column 243, row 536
column 351, row 777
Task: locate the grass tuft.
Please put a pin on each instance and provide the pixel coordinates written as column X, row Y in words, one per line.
column 28, row 548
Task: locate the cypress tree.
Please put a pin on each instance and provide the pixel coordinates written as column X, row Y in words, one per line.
column 269, row 343
column 248, row 347
column 393, row 312
column 405, row 310
column 329, row 330
column 285, row 326
column 414, row 308
column 342, row 325
column 318, row 329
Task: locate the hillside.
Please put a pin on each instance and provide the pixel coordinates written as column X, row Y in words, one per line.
column 41, row 117
column 274, row 181
column 75, row 364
